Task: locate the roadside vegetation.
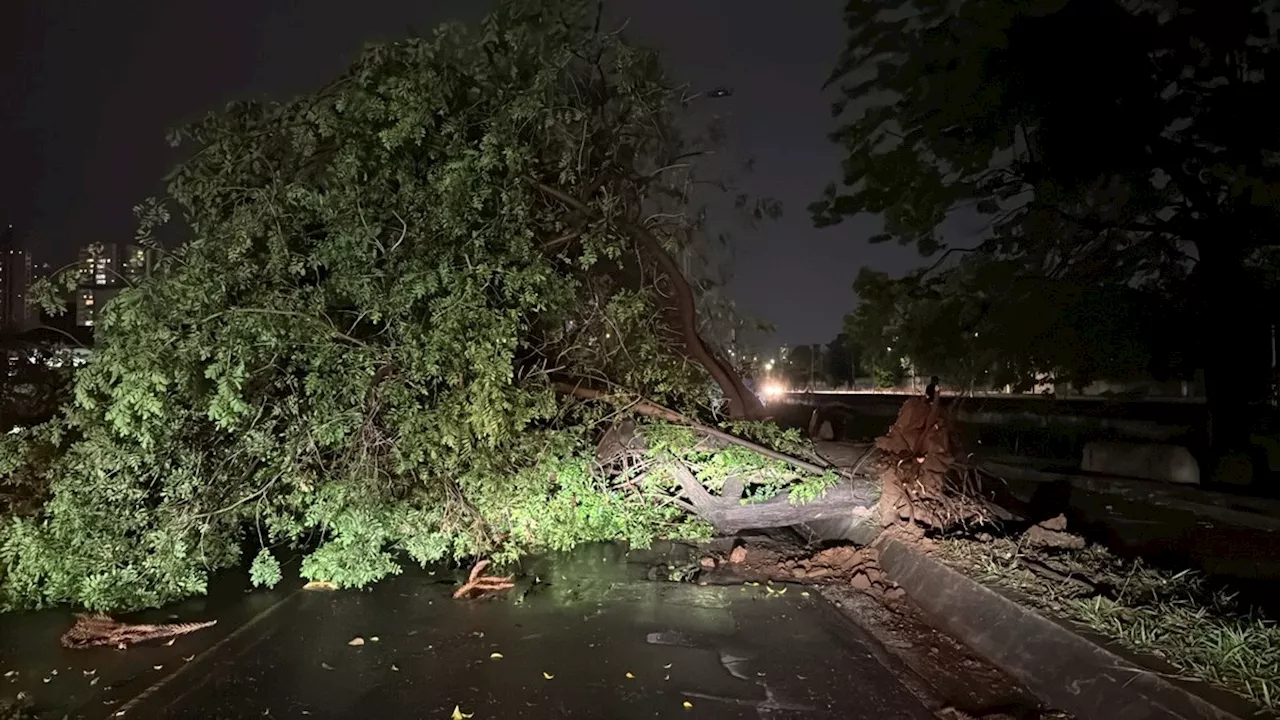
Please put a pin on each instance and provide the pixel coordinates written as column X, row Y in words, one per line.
column 1179, row 617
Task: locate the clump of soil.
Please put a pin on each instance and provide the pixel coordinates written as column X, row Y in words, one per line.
column 859, row 568
column 1052, row 533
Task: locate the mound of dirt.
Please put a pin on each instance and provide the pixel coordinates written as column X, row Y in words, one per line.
column 847, row 565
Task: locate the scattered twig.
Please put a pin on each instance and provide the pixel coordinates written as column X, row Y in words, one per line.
column 99, row 630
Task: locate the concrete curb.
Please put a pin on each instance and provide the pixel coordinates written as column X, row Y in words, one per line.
column 1057, row 663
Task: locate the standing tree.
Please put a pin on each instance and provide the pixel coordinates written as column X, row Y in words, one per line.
column 843, row 357
column 977, row 332
column 1124, row 160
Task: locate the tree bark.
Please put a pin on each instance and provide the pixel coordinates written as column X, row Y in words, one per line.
column 743, row 404
column 1234, row 377
column 727, row 514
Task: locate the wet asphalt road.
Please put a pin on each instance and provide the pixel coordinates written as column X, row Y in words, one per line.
column 592, row 640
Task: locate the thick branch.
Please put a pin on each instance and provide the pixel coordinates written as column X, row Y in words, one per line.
column 742, row 403
column 729, row 515
column 651, row 409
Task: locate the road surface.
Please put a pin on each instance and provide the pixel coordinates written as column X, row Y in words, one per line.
column 592, row 639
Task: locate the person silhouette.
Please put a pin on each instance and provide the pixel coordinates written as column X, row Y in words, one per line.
column 931, row 392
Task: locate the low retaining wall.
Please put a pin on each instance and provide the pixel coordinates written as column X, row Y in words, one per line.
column 1166, row 463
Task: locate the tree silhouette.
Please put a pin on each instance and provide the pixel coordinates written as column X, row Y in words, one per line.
column 1107, row 143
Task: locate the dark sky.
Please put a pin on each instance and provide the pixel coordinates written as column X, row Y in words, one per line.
column 89, row 89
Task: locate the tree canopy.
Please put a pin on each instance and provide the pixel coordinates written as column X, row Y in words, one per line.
column 954, row 326
column 370, row 339
column 1131, row 159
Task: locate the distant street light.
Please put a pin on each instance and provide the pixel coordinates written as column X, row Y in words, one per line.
column 714, row 93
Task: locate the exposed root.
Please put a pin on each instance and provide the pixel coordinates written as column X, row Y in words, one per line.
column 480, row 584
column 99, row 630
column 923, row 485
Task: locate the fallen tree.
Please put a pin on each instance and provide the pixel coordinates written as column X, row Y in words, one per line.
column 355, row 350
column 410, row 312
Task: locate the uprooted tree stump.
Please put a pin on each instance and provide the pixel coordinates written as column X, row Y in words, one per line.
column 922, row 482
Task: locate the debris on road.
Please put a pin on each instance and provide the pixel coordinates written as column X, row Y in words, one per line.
column 771, row 561
column 98, row 630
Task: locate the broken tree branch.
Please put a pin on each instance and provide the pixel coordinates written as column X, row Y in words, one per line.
column 651, row 409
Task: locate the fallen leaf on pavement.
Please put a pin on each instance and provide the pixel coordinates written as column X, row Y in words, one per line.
column 631, row 676
column 495, row 656
column 93, row 682
column 395, row 668
column 687, row 704
column 189, row 658
column 546, row 675
column 356, row 641
column 170, row 642
column 319, row 585
column 667, row 666
column 374, row 638
column 157, row 667
column 458, row 714
column 326, row 666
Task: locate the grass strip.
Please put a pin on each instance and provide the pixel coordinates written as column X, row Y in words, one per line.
column 1202, row 631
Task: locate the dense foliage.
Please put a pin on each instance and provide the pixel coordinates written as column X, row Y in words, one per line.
column 974, row 329
column 1133, row 159
column 355, row 352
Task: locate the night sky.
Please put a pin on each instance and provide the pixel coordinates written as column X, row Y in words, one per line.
column 90, row 88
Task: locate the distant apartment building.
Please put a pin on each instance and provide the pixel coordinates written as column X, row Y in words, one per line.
column 105, row 270
column 15, row 277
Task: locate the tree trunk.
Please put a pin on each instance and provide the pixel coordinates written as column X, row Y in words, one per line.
column 1234, row 367
column 743, row 404
column 727, row 514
